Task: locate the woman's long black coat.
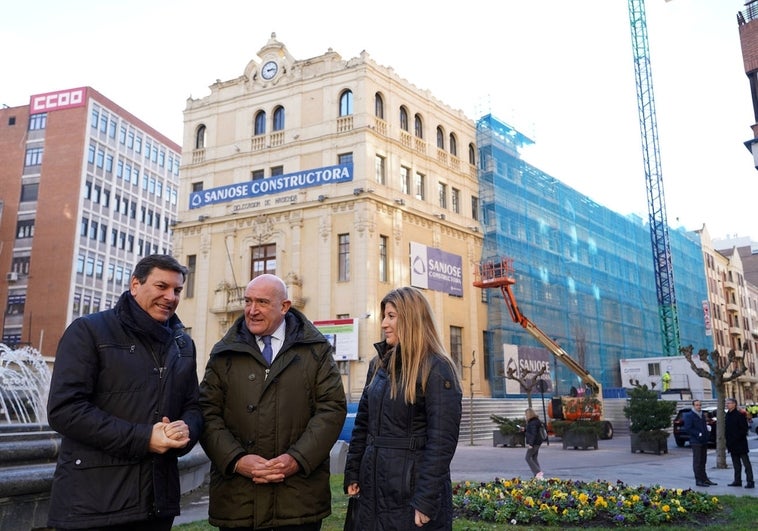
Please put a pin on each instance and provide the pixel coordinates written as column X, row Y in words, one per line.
column 400, row 454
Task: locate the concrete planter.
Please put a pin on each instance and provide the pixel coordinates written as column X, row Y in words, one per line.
column 579, row 439
column 512, row 440
column 654, row 446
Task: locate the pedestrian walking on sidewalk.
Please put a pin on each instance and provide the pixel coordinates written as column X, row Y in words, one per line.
column 696, row 426
column 533, row 438
column 736, row 429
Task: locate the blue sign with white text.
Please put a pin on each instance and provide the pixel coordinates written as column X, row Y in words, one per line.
column 272, row 185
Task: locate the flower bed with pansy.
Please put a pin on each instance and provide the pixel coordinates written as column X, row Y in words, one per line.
column 598, row 503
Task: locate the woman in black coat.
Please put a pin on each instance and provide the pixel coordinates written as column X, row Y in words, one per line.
column 407, row 424
column 533, row 440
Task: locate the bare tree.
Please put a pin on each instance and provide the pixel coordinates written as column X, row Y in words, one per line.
column 527, row 378
column 719, row 374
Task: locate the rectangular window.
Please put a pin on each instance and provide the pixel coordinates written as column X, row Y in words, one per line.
column 442, row 192
column 29, row 192
column 263, row 260
column 122, row 135
column 37, row 121
column 197, row 187
column 343, row 259
column 33, row 157
column 419, row 186
column 475, row 207
column 379, row 169
column 25, row 228
column 455, row 200
column 383, row 259
column 138, row 144
column 189, row 283
column 456, row 346
column 277, row 170
column 405, row 180
column 345, row 158
column 256, row 175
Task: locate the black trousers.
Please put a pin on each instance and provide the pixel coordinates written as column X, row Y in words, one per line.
column 737, row 461
column 699, row 456
column 316, row 526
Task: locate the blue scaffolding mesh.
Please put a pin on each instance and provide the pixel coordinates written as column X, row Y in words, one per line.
column 583, row 273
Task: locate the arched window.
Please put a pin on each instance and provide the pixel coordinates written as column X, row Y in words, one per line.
column 379, row 106
column 346, row 103
column 200, row 137
column 279, row 118
column 440, row 138
column 471, row 155
column 403, row 119
column 418, row 126
column 453, row 145
column 260, row 123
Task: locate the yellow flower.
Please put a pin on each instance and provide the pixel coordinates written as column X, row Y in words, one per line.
column 665, row 508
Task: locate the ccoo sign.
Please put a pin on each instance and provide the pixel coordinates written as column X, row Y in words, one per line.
column 63, row 99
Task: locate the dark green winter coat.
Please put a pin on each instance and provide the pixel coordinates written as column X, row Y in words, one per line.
column 297, row 406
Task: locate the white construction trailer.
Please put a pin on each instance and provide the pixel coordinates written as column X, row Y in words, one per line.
column 684, row 384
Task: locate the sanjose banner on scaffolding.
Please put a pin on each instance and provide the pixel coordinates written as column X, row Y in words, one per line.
column 526, row 362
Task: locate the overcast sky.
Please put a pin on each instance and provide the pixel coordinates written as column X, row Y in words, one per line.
column 559, row 71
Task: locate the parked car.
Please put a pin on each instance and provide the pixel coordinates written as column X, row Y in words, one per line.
column 680, row 437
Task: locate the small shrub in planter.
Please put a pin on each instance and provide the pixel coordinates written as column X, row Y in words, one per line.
column 508, row 426
column 509, row 431
column 649, row 418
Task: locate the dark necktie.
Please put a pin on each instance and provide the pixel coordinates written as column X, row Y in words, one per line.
column 267, row 352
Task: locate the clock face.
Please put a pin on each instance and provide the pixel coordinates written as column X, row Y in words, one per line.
column 269, row 69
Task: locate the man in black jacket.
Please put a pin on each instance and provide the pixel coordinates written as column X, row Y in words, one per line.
column 736, row 430
column 696, row 425
column 124, row 396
